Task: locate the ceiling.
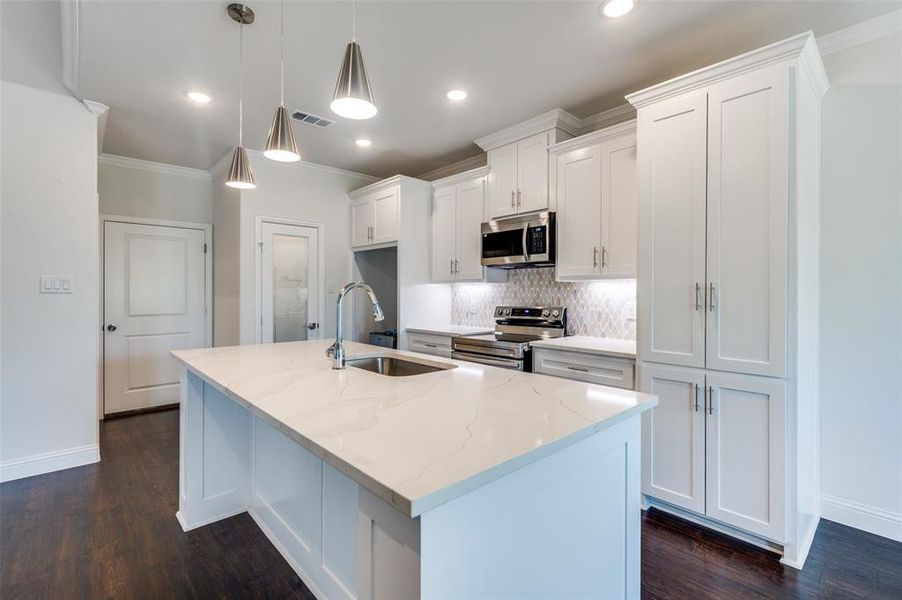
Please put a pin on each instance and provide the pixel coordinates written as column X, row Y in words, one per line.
column 517, row 59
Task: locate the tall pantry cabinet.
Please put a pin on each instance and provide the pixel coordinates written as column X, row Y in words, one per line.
column 727, row 165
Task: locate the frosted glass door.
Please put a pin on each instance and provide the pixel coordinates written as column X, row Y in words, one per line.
column 289, row 283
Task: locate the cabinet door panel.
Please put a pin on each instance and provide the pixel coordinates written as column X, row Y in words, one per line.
column 618, row 201
column 746, row 453
column 385, row 216
column 671, row 189
column 747, row 230
column 673, row 436
column 443, row 211
column 578, row 183
column 468, row 235
column 502, row 181
column 532, row 173
column 361, row 220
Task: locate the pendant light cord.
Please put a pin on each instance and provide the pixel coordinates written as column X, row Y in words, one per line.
column 241, row 84
column 353, row 20
column 282, row 34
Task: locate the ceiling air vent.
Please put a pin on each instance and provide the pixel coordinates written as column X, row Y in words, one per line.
column 310, row 119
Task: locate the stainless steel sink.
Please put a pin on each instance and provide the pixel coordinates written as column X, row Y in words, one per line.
column 394, row 366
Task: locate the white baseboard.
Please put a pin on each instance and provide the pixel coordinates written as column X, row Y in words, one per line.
column 49, row 462
column 861, row 516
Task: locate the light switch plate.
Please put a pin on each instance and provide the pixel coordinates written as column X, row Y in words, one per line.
column 631, row 311
column 55, row 284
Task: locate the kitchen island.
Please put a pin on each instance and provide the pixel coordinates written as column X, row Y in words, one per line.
column 469, row 481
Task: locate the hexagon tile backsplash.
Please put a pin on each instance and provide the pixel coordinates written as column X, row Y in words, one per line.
column 598, row 308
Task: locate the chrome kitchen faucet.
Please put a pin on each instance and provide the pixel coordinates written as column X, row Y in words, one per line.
column 336, row 350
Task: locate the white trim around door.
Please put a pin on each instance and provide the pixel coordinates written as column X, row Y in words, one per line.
column 258, row 270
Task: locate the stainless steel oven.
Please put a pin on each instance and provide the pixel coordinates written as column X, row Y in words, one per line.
column 518, row 242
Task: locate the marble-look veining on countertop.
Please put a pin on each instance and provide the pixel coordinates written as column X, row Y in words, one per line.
column 595, row 308
column 416, row 441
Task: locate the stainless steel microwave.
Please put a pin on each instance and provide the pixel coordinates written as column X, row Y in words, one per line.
column 519, row 242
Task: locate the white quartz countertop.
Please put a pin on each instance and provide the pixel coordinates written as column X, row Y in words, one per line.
column 417, row 441
column 590, row 345
column 451, row 330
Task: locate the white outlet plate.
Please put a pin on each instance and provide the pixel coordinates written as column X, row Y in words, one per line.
column 55, row 284
column 631, row 310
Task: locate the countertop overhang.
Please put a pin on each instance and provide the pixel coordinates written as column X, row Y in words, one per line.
column 416, row 442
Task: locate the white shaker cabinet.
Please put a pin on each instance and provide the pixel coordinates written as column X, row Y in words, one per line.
column 532, row 173
column 748, row 188
column 458, row 206
column 727, row 279
column 671, row 264
column 375, row 217
column 502, row 198
column 593, row 182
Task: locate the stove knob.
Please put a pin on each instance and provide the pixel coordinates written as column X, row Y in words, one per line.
column 546, row 312
column 507, row 312
column 555, row 313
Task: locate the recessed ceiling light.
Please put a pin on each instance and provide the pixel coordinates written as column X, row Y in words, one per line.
column 617, row 8
column 457, row 95
column 199, row 97
column 363, row 142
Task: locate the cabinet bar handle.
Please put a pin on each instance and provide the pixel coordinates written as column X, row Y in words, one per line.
column 451, row 267
column 580, row 369
column 456, row 266
column 512, row 198
column 518, row 198
column 430, row 345
column 711, row 297
column 696, row 397
column 604, row 252
column 698, row 297
column 710, row 399
column 594, row 256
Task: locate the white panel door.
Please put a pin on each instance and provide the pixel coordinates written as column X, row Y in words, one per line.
column 673, row 436
column 361, row 222
column 289, row 277
column 386, row 218
column 444, row 219
column 502, row 181
column 532, row 173
column 618, row 202
column 746, row 453
column 153, row 302
column 468, row 231
column 578, row 191
column 748, row 184
column 671, row 163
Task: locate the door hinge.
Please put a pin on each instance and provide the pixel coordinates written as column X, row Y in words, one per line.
column 205, row 247
column 261, row 246
column 205, row 311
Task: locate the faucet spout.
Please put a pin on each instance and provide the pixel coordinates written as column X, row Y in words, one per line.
column 336, row 350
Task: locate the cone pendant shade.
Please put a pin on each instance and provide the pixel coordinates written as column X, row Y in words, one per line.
column 280, row 144
column 240, row 175
column 353, row 98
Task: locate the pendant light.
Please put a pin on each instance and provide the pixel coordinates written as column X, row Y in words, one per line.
column 240, row 175
column 280, row 144
column 353, row 98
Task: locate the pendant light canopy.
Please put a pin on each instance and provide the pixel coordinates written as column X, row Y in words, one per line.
column 353, row 98
column 240, row 175
column 280, row 143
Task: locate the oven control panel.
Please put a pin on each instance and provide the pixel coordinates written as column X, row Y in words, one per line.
column 537, row 313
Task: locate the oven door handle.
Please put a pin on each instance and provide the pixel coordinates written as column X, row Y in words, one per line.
column 509, row 363
column 525, row 247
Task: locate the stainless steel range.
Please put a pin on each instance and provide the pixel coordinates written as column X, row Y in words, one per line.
column 515, row 327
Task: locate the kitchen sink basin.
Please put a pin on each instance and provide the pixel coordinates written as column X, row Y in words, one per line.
column 394, row 366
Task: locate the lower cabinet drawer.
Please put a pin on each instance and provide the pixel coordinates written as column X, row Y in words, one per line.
column 427, row 343
column 591, row 368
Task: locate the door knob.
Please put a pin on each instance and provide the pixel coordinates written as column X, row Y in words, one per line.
column 312, row 325
column 111, row 327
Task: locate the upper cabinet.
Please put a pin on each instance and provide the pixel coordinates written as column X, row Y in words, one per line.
column 593, row 187
column 518, row 163
column 458, row 208
column 375, row 216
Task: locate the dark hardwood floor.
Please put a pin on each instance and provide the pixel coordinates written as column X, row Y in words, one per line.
column 109, row 531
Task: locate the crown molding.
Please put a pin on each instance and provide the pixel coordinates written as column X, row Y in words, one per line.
column 98, row 109
column 154, row 167
column 387, row 183
column 553, row 119
column 467, row 164
column 101, row 112
column 861, row 33
column 779, row 52
column 593, row 137
column 461, row 177
column 607, row 118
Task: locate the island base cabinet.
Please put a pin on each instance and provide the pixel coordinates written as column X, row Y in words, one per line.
column 567, row 525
